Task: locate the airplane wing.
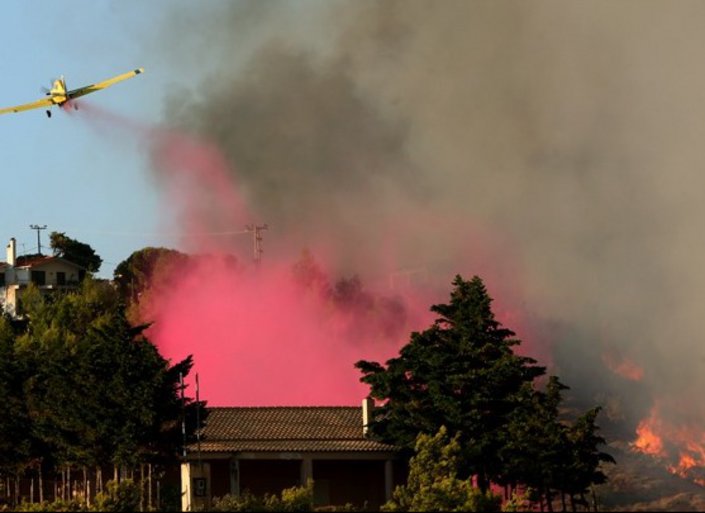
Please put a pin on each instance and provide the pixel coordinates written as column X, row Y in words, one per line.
column 81, row 91
column 44, row 102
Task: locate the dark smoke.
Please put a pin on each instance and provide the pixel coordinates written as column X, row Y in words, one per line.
column 553, row 147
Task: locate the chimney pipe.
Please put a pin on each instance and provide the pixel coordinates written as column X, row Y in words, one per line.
column 368, row 406
column 12, row 252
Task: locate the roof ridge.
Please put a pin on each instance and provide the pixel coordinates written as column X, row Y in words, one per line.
column 210, row 438
column 280, row 407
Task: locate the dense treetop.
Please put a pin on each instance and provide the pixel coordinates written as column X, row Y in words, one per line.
column 74, row 251
column 462, row 374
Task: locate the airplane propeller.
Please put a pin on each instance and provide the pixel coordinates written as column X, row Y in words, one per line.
column 47, row 90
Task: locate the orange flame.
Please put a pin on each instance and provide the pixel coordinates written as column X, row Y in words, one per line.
column 622, row 366
column 686, row 462
column 654, row 435
column 647, row 440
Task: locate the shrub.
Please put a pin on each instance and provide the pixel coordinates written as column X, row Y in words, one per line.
column 297, row 498
column 244, row 502
column 122, row 496
column 57, row 505
column 433, row 484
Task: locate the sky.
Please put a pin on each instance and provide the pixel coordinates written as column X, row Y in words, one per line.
column 60, row 172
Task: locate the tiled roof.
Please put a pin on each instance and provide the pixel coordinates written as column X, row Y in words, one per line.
column 33, row 260
column 287, row 429
column 37, row 260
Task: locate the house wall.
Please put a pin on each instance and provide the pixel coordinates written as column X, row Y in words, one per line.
column 23, row 276
column 336, row 481
column 195, row 497
column 17, row 278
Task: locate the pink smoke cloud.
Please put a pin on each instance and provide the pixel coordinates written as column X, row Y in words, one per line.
column 257, row 335
column 260, row 339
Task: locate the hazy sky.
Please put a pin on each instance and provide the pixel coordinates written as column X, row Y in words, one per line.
column 58, row 171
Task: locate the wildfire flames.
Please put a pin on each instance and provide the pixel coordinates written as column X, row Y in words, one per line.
column 647, row 440
column 621, row 366
column 682, row 447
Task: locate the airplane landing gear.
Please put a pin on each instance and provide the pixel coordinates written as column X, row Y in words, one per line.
column 48, row 113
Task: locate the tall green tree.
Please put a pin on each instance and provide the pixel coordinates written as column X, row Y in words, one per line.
column 97, row 391
column 75, row 251
column 461, row 373
column 135, row 274
column 553, row 454
column 536, row 452
column 584, row 469
column 15, row 442
column 144, row 275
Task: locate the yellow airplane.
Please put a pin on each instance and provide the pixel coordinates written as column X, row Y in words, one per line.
column 58, row 95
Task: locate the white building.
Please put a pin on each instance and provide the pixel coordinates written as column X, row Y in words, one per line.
column 48, row 273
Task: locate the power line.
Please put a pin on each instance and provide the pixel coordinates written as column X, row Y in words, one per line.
column 159, row 234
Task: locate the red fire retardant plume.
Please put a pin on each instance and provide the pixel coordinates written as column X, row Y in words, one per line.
column 258, row 337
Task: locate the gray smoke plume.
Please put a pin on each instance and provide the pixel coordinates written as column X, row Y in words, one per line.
column 558, row 140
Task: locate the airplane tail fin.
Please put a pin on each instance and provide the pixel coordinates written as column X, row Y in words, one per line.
column 58, row 87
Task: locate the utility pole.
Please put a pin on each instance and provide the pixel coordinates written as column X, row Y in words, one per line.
column 183, row 413
column 198, row 424
column 256, row 231
column 39, row 240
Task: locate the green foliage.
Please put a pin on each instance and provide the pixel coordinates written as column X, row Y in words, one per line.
column 99, row 392
column 433, row 484
column 14, row 421
column 145, row 268
column 122, row 496
column 74, row 251
column 82, row 387
column 549, row 454
column 519, row 501
column 460, row 373
column 246, row 501
column 586, row 460
column 57, row 505
column 536, row 451
column 297, row 498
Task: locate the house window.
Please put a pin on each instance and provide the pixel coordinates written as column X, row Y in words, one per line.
column 39, row 277
column 60, row 278
column 2, row 279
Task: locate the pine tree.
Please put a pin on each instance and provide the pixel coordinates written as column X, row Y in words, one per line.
column 461, row 373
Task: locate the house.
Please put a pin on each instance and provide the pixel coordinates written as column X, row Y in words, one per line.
column 267, row 449
column 48, row 273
